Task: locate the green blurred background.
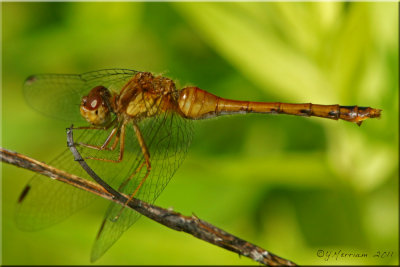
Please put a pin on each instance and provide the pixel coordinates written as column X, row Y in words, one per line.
column 289, row 184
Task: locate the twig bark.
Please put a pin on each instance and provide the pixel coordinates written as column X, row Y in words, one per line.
column 189, row 224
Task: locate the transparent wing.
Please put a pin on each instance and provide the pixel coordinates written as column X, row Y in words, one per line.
column 45, row 201
column 59, row 95
column 167, row 137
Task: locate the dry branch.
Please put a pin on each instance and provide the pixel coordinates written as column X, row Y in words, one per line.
column 189, row 224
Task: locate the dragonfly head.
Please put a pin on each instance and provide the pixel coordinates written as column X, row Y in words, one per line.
column 95, row 107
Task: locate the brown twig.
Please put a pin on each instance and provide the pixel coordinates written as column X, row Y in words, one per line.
column 189, row 224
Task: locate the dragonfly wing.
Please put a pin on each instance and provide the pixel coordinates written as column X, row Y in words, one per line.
column 167, row 137
column 59, row 95
column 45, row 201
column 110, row 231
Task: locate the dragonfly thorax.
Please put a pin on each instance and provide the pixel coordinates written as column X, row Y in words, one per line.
column 95, row 107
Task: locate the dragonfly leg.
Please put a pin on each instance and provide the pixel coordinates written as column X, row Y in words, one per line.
column 91, row 127
column 96, row 127
column 108, row 139
column 121, row 137
column 122, row 186
column 106, row 143
column 146, row 162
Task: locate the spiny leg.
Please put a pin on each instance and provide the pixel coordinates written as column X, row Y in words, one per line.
column 121, row 137
column 122, row 186
column 95, row 127
column 106, row 143
column 146, row 155
column 108, row 139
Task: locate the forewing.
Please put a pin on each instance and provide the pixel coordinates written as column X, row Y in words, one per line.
column 167, row 137
column 59, row 95
column 45, row 201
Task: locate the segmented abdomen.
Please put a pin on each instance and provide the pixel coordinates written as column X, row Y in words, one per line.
column 195, row 103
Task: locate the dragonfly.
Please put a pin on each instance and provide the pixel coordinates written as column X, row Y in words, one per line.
column 135, row 133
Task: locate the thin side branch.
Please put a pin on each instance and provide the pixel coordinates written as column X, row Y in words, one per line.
column 189, row 224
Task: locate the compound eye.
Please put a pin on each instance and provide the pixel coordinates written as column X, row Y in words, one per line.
column 93, row 102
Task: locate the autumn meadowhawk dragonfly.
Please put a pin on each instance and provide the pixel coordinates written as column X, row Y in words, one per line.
column 136, row 129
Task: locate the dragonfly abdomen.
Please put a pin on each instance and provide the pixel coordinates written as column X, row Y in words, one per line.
column 195, row 103
column 348, row 113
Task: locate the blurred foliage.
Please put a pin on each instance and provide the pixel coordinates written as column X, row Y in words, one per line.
column 291, row 185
